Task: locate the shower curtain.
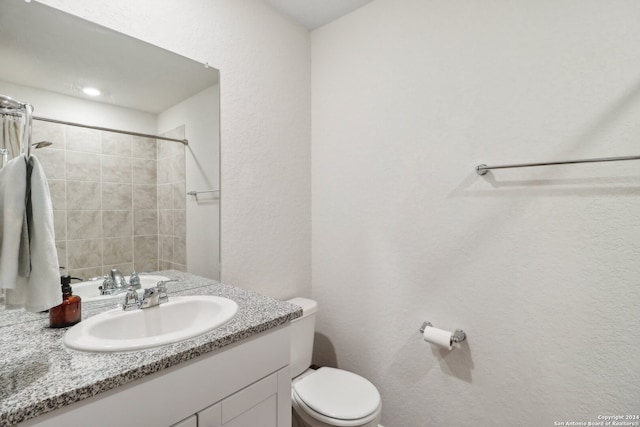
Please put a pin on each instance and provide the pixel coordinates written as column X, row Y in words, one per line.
column 11, row 134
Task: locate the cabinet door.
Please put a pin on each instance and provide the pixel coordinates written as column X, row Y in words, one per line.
column 248, row 398
column 264, row 414
column 261, row 415
column 211, row 416
column 265, row 403
column 255, row 406
column 192, row 421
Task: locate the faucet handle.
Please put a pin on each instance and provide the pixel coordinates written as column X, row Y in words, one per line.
column 108, row 287
column 134, row 280
column 163, row 295
column 131, row 300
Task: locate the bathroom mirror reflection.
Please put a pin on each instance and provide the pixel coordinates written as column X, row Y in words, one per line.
column 120, row 199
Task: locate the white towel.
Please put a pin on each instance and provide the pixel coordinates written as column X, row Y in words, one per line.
column 41, row 290
column 13, row 187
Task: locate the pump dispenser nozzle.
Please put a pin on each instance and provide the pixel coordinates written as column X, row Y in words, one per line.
column 70, row 311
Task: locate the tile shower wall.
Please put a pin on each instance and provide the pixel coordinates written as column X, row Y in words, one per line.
column 106, row 198
column 172, row 202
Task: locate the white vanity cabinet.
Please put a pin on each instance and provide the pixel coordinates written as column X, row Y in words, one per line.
column 246, row 384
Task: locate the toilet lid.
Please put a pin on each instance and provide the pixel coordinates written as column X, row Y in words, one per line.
column 338, row 394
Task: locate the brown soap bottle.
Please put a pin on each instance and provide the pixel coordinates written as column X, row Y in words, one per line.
column 70, row 311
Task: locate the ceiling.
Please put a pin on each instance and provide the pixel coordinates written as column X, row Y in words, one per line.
column 312, row 14
column 101, row 57
column 47, row 49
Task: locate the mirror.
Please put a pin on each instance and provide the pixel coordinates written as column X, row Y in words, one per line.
column 120, row 198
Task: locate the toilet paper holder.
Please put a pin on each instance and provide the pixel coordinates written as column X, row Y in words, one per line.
column 457, row 337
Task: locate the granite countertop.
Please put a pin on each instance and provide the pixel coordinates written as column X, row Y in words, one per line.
column 39, row 374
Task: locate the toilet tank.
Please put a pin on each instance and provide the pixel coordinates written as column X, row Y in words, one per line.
column 302, row 333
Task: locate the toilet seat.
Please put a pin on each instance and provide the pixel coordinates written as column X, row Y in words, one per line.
column 311, row 414
column 337, row 397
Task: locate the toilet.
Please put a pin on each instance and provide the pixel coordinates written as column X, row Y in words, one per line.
column 326, row 397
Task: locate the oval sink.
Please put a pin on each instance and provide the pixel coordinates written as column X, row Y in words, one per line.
column 89, row 291
column 179, row 319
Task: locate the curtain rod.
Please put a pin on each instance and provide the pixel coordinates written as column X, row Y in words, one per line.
column 483, row 169
column 126, row 132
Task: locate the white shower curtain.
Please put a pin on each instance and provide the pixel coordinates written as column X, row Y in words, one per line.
column 11, row 134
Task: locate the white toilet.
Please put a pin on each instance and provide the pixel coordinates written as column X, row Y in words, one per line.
column 326, row 397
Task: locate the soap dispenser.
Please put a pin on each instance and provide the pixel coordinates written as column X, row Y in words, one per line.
column 70, row 311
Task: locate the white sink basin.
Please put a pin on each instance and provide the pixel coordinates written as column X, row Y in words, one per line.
column 179, row 319
column 89, row 291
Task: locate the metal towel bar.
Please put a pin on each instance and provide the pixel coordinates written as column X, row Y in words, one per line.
column 483, row 169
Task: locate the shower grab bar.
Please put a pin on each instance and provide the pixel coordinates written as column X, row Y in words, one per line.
column 195, row 193
column 484, row 169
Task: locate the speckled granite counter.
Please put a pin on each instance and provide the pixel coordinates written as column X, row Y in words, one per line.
column 39, row 374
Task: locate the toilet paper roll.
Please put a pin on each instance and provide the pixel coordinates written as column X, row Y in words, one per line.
column 438, row 336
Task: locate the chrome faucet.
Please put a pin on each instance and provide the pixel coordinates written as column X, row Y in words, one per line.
column 150, row 298
column 113, row 284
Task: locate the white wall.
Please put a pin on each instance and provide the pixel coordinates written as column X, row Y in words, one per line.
column 200, row 116
column 539, row 266
column 264, row 63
